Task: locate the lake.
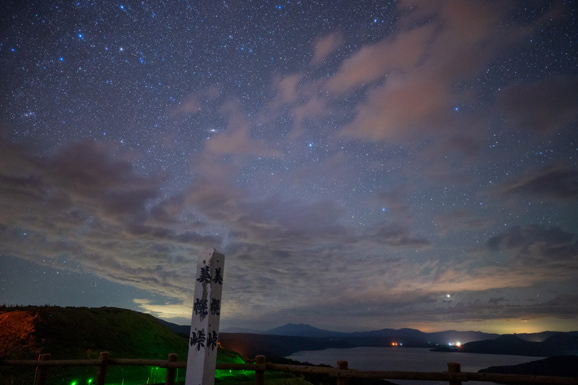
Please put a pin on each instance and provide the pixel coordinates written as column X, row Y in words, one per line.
column 408, row 359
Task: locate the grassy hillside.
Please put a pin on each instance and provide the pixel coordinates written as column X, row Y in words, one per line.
column 84, row 332
column 78, row 333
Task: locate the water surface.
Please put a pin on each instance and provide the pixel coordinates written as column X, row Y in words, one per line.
column 408, row 359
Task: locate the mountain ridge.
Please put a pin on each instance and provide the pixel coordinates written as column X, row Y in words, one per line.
column 306, row 330
column 302, row 330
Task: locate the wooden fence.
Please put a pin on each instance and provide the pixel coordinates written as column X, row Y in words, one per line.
column 342, row 373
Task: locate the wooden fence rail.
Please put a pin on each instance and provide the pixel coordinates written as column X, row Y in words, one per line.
column 342, row 373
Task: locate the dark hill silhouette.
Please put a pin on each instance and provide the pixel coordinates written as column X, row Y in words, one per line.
column 558, row 344
column 536, row 337
column 80, row 333
column 506, row 344
column 564, row 366
column 561, row 344
column 83, row 332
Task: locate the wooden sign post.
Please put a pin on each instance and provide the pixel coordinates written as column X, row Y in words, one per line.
column 204, row 334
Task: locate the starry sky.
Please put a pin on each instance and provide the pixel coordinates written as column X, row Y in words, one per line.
column 362, row 165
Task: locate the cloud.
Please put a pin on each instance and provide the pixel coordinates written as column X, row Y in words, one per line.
column 411, row 75
column 372, row 62
column 544, row 106
column 168, row 311
column 82, row 173
column 458, row 221
column 192, row 104
column 325, row 45
column 237, row 140
column 287, row 88
column 563, row 304
column 395, row 235
column 82, row 208
column 535, row 244
column 496, row 300
column 274, row 221
column 468, row 310
column 283, row 255
column 555, row 183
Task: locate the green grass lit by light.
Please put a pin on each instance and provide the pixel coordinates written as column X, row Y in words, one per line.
column 156, row 374
column 224, row 373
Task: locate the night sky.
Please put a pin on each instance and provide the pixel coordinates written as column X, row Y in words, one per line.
column 361, row 164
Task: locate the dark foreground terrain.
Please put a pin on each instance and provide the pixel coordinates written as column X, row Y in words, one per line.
column 81, row 333
column 565, row 366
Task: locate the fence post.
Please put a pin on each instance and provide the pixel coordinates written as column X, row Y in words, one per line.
column 342, row 365
column 171, row 372
column 454, row 367
column 101, row 372
column 260, row 373
column 42, row 373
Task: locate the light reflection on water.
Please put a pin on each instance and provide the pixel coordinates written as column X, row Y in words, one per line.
column 408, row 359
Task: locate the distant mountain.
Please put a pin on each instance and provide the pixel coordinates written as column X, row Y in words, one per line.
column 241, row 330
column 543, row 344
column 303, row 330
column 535, row 337
column 298, row 337
column 183, row 330
column 564, row 366
column 410, row 336
column 270, row 345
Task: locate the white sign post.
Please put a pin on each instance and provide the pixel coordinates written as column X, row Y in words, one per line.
column 203, row 338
